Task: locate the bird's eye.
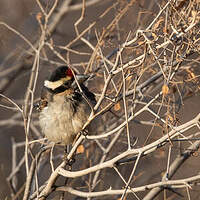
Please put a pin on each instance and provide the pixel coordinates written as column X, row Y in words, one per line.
column 67, row 84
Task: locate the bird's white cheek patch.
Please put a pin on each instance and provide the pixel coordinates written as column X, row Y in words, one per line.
column 53, row 85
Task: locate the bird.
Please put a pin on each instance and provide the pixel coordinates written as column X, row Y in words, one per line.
column 64, row 107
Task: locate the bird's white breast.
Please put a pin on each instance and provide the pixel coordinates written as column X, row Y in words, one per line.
column 60, row 123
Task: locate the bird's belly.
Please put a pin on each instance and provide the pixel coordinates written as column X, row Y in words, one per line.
column 59, row 124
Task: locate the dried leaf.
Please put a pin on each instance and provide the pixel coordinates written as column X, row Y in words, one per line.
column 80, row 149
column 117, row 107
column 39, row 16
column 165, row 89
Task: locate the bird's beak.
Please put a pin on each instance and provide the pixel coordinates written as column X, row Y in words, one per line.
column 81, row 78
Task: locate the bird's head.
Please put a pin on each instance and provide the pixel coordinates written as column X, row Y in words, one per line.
column 62, row 78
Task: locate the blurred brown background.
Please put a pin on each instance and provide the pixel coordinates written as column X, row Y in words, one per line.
column 21, row 15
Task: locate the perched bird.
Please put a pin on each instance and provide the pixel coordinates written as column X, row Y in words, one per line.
column 63, row 109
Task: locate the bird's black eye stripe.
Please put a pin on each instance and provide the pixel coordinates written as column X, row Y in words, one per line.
column 68, row 83
column 57, row 90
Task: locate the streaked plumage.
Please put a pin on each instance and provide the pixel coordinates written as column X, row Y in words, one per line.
column 63, row 109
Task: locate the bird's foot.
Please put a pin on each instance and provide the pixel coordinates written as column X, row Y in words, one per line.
column 68, row 161
column 84, row 132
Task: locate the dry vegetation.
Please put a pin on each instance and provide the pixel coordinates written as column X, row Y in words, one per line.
column 142, row 77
